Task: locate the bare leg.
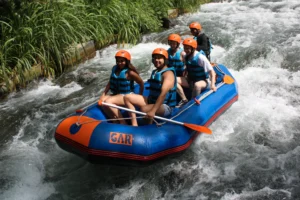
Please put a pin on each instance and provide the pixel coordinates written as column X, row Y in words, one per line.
column 198, row 87
column 115, row 113
column 148, row 107
column 181, row 82
column 131, row 100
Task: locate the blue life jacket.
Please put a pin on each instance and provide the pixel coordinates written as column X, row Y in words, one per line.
column 174, row 61
column 195, row 71
column 155, row 82
column 120, row 84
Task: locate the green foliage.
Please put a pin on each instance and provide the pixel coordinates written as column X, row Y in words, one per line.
column 188, row 5
column 41, row 32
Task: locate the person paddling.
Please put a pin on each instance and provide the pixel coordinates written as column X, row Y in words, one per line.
column 121, row 82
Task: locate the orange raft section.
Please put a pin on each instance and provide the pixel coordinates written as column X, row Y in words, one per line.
column 83, row 135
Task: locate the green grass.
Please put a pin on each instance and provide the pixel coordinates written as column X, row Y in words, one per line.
column 41, row 32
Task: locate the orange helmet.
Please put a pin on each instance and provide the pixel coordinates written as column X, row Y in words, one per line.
column 195, row 25
column 174, row 37
column 190, row 42
column 161, row 51
column 123, row 54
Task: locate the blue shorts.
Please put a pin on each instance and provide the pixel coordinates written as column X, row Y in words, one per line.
column 168, row 110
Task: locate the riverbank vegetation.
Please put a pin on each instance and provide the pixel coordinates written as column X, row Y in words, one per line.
column 40, row 32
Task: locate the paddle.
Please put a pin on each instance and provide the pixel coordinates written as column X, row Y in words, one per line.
column 194, row 127
column 228, row 79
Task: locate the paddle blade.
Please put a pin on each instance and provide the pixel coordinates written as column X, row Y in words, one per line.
column 198, row 128
column 228, row 79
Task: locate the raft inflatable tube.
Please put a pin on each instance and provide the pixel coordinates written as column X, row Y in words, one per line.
column 87, row 133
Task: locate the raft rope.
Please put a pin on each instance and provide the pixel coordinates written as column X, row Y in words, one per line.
column 96, row 120
column 156, row 122
column 195, row 102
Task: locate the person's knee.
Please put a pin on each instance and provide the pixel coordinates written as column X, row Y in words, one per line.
column 200, row 85
column 197, row 87
column 127, row 98
column 109, row 100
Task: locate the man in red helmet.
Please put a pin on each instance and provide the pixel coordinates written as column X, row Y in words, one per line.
column 162, row 90
column 198, row 70
column 203, row 42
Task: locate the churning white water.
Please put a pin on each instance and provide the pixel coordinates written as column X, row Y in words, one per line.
column 254, row 152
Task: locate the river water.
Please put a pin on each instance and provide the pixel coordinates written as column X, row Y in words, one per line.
column 254, row 151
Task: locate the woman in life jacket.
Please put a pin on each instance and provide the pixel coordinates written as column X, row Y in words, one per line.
column 203, row 42
column 162, row 94
column 121, row 82
column 198, row 70
column 176, row 54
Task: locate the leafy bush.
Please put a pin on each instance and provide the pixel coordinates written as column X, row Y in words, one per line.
column 36, row 32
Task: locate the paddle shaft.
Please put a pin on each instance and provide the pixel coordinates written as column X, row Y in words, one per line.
column 142, row 113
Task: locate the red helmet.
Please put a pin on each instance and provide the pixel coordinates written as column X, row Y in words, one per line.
column 195, row 25
column 161, row 51
column 123, row 54
column 190, row 42
column 174, row 37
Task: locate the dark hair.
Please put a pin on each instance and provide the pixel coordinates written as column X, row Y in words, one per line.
column 131, row 67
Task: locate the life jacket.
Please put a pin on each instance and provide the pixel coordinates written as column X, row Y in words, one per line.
column 155, row 82
column 199, row 40
column 120, row 84
column 174, row 61
column 195, row 71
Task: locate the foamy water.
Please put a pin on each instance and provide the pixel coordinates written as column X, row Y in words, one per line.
column 253, row 153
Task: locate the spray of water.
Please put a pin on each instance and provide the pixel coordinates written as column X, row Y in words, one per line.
column 253, row 153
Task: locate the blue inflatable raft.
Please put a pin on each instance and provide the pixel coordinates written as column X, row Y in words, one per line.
column 88, row 134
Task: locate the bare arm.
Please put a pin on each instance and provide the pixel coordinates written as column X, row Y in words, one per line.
column 203, row 61
column 168, row 83
column 213, row 79
column 135, row 77
column 182, row 57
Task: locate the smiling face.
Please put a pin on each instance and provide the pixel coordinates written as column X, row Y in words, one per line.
column 173, row 44
column 158, row 61
column 187, row 49
column 121, row 62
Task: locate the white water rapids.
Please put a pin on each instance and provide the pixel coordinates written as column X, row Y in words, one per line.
column 254, row 152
